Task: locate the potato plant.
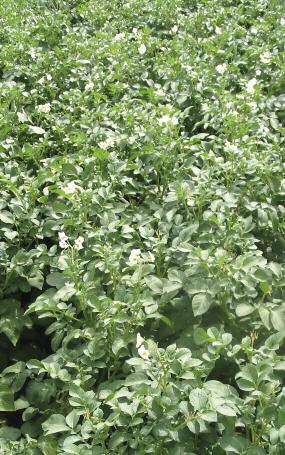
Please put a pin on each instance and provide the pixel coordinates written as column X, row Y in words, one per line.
column 142, row 227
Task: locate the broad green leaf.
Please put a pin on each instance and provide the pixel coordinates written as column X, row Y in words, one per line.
column 201, row 304
column 6, row 398
column 278, row 319
column 55, row 424
column 199, row 399
column 226, row 410
column 136, row 379
column 10, row 433
column 155, row 284
column 6, row 217
column 118, row 438
column 244, row 309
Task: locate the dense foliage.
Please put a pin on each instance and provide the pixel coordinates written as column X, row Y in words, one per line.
column 142, row 227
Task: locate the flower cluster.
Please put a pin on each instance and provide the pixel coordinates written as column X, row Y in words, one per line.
column 64, row 241
column 143, row 352
column 71, row 188
column 135, row 256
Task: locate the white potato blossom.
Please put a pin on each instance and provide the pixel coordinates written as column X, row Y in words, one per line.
column 22, row 117
column 266, row 57
column 89, row 86
column 143, row 352
column 46, row 191
column 135, row 256
column 33, row 53
column 119, row 36
column 168, row 120
column 63, row 239
column 142, row 49
column 78, row 244
column 159, row 92
column 71, row 187
column 222, row 68
column 44, row 108
column 250, row 86
column 174, row 29
column 140, row 340
column 109, row 142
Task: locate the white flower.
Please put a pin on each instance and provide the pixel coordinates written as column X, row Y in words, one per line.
column 71, row 187
column 89, row 86
column 109, row 142
column 63, row 240
column 258, row 72
column 33, row 53
column 44, row 108
column 250, row 86
column 140, row 340
column 135, row 31
column 218, row 30
column 22, row 117
column 119, row 36
column 167, row 119
column 142, row 49
column 159, row 92
column 135, row 256
column 265, row 57
column 254, row 30
column 143, row 352
column 222, row 68
column 49, row 77
column 46, row 191
column 78, row 244
column 174, row 29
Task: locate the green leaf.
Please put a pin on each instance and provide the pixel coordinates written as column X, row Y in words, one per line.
column 169, row 287
column 209, row 416
column 274, row 341
column 6, row 217
column 48, row 445
column 201, row 304
column 6, row 398
column 155, row 284
column 234, row 444
column 36, row 280
column 226, row 410
column 201, row 336
column 186, row 234
column 56, row 279
column 10, row 433
column 55, row 424
column 72, row 418
column 118, row 438
column 278, row 319
column 136, row 379
column 199, row 399
column 244, row 309
column 176, row 275
column 118, row 344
